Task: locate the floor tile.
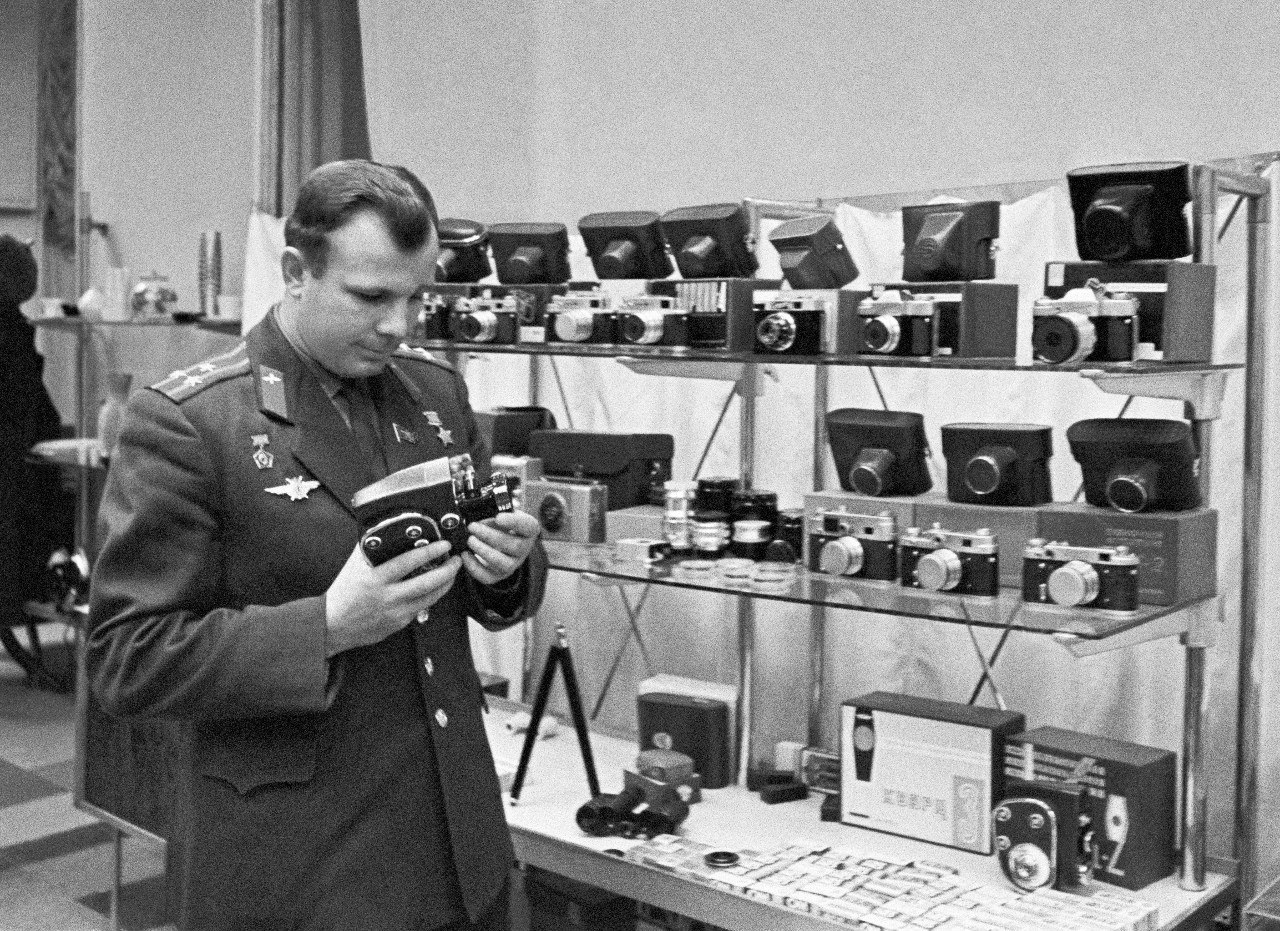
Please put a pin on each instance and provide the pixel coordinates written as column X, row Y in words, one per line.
column 26, row 904
column 37, row 728
column 39, row 818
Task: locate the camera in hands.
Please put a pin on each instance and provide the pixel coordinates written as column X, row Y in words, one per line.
column 1102, row 577
column 941, row 560
column 861, row 546
column 1089, row 324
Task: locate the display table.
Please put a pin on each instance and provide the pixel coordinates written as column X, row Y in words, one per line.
column 546, row 836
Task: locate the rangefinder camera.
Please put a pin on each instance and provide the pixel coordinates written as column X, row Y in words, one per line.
column 862, row 546
column 942, row 560
column 898, row 323
column 568, row 509
column 485, row 320
column 1080, row 576
column 423, row 503
column 652, row 320
column 582, row 318
column 796, row 326
column 1088, row 324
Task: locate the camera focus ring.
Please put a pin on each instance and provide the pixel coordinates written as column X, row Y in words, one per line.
column 882, row 333
column 1064, row 338
column 1073, row 584
column 939, row 571
column 777, row 331
column 842, row 556
column 478, row 326
column 574, row 326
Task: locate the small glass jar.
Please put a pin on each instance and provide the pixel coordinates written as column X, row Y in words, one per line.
column 678, row 509
column 750, row 538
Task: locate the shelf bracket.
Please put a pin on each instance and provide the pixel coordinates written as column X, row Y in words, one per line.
column 1197, row 625
column 744, row 373
column 1200, row 391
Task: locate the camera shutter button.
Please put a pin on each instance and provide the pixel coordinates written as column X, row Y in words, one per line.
column 939, row 571
column 842, row 556
column 1073, row 584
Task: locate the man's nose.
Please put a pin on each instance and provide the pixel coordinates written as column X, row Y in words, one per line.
column 395, row 322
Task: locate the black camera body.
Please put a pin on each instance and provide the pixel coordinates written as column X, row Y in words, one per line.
column 1175, row 302
column 588, row 319
column 652, row 320
column 946, row 242
column 879, row 452
column 947, row 561
column 998, row 464
column 485, row 320
column 1131, row 212
column 1101, row 577
column 721, row 310
column 464, row 251
column 897, row 323
column 863, row 546
column 1044, row 835
column 959, row 319
column 1086, row 324
column 795, row 325
column 646, row 807
column 1137, row 464
column 423, row 503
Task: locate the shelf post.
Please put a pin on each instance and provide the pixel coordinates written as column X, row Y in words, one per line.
column 817, row 613
column 748, row 389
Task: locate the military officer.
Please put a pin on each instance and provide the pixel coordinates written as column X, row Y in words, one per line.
column 340, row 774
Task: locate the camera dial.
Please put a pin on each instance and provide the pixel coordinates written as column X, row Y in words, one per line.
column 842, row 556
column 939, row 571
column 882, row 333
column 575, row 325
column 1131, row 486
column 777, row 331
column 1073, row 584
column 478, row 326
column 552, row 512
column 642, row 326
column 987, row 470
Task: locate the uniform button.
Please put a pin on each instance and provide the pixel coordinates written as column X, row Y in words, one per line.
column 423, row 615
column 429, row 666
column 441, row 718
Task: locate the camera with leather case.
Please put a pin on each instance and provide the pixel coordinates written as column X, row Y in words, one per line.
column 998, row 463
column 1137, row 464
column 633, row 466
column 879, row 452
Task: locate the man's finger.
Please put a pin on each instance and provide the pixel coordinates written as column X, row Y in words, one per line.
column 503, row 541
column 414, row 559
column 419, row 586
column 479, row 571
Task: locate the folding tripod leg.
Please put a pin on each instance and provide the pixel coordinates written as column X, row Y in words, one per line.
column 535, row 718
column 579, row 719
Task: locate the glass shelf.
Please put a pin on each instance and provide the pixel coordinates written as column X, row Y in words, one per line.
column 671, row 353
column 1005, row 610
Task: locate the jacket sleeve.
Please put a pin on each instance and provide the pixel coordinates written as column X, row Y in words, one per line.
column 163, row 641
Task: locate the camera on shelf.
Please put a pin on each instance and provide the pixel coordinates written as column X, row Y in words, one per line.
column 1044, row 835
column 858, row 545
column 626, row 244
column 1138, row 464
column 998, row 463
column 646, row 807
column 464, row 251
column 710, row 241
column 879, row 452
column 898, row 323
column 950, row 242
column 1103, row 577
column 795, row 325
column 813, row 254
column 438, row 305
column 530, row 253
column 1127, row 213
column 582, row 318
column 485, row 320
column 652, row 320
column 948, row 561
column 423, row 503
column 568, row 509
column 1089, row 324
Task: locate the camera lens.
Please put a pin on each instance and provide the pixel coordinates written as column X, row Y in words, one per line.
column 872, row 472
column 1131, row 485
column 643, row 326
column 1117, row 222
column 575, row 326
column 777, row 332
column 479, row 326
column 987, row 470
column 618, row 260
column 694, row 258
column 882, row 333
column 1073, row 584
column 939, row 571
column 552, row 513
column 1063, row 338
column 842, row 556
column 525, row 265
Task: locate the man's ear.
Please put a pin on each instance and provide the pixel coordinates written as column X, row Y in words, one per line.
column 293, row 267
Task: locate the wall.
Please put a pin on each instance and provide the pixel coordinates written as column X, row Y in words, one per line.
column 19, row 81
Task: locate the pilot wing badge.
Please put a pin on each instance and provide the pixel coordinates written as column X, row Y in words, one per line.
column 296, row 488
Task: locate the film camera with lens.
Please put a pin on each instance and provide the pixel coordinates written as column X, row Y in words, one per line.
column 485, row 320
column 879, row 452
column 1138, row 464
column 1103, row 577
column 464, row 251
column 1044, row 835
column 796, row 325
column 1127, row 213
column 897, row 323
column 962, row 319
column 948, row 561
column 530, row 253
column 625, row 244
column 998, row 464
column 950, row 242
column 652, row 320
column 582, row 318
column 567, row 508
column 710, row 241
column 1088, row 324
column 858, row 545
column 423, row 503
column 813, row 254
column 438, row 305
column 646, row 807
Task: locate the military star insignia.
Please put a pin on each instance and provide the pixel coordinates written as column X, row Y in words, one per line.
column 271, row 378
column 296, row 488
column 446, row 436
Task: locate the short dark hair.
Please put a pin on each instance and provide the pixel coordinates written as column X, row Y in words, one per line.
column 336, row 191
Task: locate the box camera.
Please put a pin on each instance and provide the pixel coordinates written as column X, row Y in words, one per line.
column 948, row 561
column 800, row 325
column 858, row 545
column 1127, row 213
column 710, row 241
column 879, row 452
column 998, row 464
column 1044, row 835
column 484, row 320
column 530, row 253
column 950, row 242
column 1174, row 302
column 813, row 253
column 633, row 466
column 1138, row 464
column 464, row 251
column 582, row 318
column 1089, row 324
column 625, row 244
column 423, row 503
column 721, row 310
column 652, row 320
column 568, row 509
column 1100, row 577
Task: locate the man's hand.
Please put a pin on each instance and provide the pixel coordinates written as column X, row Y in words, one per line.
column 366, row 604
column 499, row 545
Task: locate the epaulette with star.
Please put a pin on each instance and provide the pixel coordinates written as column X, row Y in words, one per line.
column 418, row 354
column 188, row 382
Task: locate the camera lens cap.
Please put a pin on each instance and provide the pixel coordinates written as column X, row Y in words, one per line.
column 721, row 859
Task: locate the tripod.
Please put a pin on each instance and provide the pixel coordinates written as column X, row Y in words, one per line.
column 558, row 655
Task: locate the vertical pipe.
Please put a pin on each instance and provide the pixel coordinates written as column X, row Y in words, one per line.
column 527, row 637
column 85, row 426
column 817, row 613
column 1249, row 697
column 748, row 387
column 1194, row 796
column 746, row 680
column 117, row 872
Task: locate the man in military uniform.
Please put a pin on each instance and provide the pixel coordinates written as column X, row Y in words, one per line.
column 341, row 776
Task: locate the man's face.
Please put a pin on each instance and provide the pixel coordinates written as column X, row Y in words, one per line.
column 353, row 316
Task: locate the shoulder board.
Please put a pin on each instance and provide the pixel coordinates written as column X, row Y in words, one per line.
column 418, row 354
column 188, row 382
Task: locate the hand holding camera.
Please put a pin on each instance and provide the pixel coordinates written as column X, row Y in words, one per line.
column 498, row 545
